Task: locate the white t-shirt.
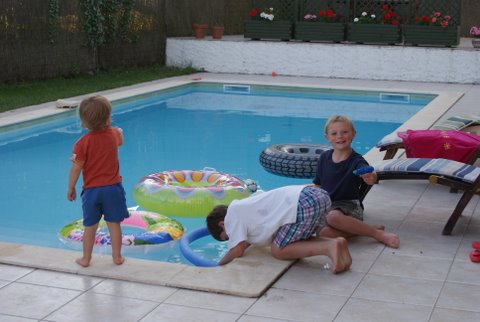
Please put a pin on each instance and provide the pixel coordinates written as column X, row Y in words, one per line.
column 256, row 219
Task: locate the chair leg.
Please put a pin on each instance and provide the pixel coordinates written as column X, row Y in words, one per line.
column 457, row 212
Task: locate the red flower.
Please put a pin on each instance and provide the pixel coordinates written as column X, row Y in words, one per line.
column 385, row 7
column 322, row 13
column 395, row 22
column 253, row 12
column 330, row 13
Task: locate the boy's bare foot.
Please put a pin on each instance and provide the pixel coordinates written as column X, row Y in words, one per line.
column 83, row 262
column 389, row 239
column 340, row 255
column 119, row 260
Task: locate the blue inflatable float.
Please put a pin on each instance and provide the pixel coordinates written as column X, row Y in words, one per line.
column 189, row 254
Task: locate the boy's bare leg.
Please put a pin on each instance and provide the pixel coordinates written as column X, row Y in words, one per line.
column 349, row 225
column 335, row 248
column 116, row 239
column 88, row 242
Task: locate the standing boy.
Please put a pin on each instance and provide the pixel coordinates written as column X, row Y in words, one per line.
column 95, row 155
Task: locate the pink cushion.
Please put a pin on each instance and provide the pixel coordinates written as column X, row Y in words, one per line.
column 451, row 145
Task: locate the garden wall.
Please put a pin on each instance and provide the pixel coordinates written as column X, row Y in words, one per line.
column 30, row 49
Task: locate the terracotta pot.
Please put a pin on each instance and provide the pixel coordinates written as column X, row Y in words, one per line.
column 199, row 30
column 217, row 32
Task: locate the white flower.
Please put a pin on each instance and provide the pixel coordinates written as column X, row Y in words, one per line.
column 270, row 17
column 271, row 9
column 373, row 16
column 356, row 20
column 262, row 14
column 364, row 14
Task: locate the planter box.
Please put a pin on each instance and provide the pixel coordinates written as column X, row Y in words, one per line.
column 374, row 33
column 431, row 35
column 255, row 29
column 319, row 31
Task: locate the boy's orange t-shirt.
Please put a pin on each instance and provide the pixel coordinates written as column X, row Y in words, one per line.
column 97, row 153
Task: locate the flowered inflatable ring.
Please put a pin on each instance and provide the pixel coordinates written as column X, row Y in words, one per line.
column 188, row 193
column 157, row 229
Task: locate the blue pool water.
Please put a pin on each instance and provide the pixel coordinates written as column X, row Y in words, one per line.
column 189, row 127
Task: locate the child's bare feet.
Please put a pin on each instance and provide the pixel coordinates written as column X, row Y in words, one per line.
column 389, row 239
column 118, row 260
column 84, row 262
column 340, row 255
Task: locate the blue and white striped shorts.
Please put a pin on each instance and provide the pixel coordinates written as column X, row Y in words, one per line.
column 313, row 206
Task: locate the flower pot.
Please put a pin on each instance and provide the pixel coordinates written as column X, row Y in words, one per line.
column 217, row 32
column 199, row 30
column 431, row 35
column 319, row 31
column 374, row 33
column 256, row 29
column 476, row 42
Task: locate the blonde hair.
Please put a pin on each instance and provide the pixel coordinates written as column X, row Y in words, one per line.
column 338, row 118
column 95, row 112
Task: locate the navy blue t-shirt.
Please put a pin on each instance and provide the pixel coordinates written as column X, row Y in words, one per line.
column 338, row 178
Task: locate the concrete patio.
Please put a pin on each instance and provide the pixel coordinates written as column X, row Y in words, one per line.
column 429, row 278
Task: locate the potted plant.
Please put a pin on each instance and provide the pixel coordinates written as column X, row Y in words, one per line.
column 323, row 26
column 383, row 28
column 199, row 30
column 265, row 25
column 475, row 32
column 217, row 31
column 434, row 29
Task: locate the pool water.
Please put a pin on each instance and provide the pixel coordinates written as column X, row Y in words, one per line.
column 189, row 127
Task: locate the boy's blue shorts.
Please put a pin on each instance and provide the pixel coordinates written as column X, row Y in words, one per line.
column 108, row 201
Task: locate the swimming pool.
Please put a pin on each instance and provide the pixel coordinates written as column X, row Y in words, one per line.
column 188, row 127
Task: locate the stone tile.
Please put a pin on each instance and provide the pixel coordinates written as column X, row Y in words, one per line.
column 297, row 306
column 35, row 301
column 100, row 307
column 361, row 310
column 411, row 266
column 460, row 297
column 60, row 280
column 447, row 315
column 311, row 278
column 399, row 289
column 12, row 273
column 138, row 291
column 9, row 318
column 251, row 318
column 168, row 313
column 211, row 301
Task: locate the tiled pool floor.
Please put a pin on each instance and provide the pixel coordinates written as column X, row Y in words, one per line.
column 429, row 278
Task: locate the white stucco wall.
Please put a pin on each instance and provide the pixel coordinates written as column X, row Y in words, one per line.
column 234, row 54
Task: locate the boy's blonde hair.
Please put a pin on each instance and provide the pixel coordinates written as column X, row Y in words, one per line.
column 95, row 112
column 339, row 118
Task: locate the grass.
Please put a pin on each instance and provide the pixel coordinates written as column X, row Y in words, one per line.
column 36, row 92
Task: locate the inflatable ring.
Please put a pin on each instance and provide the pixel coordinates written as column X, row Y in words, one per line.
column 292, row 160
column 157, row 229
column 188, row 193
column 189, row 254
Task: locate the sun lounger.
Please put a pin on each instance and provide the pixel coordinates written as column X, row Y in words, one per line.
column 391, row 143
column 453, row 174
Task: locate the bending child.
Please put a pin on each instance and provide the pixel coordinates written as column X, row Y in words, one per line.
column 286, row 219
column 335, row 175
column 95, row 155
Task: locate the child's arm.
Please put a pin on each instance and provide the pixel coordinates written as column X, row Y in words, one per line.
column 74, row 175
column 234, row 252
column 119, row 135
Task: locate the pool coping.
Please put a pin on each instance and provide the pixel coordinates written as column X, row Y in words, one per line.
column 249, row 276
